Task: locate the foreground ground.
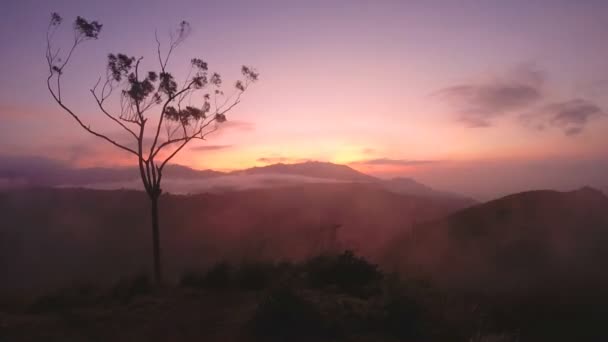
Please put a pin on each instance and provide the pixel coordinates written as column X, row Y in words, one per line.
column 338, row 297
column 175, row 315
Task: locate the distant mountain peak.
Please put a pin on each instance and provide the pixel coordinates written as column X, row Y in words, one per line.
column 42, row 172
column 405, row 185
column 316, row 169
column 589, row 191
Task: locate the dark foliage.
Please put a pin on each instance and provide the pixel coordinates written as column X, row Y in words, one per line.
column 88, row 29
column 345, row 272
column 167, row 84
column 220, row 276
column 120, row 65
column 285, row 315
column 250, row 276
column 188, row 114
column 56, row 19
column 402, row 310
column 256, row 275
column 66, row 299
column 404, row 318
column 128, row 288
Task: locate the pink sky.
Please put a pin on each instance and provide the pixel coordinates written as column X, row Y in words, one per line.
column 422, row 89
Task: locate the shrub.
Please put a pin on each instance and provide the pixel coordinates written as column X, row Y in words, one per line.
column 285, row 315
column 247, row 276
column 65, row 299
column 256, row 275
column 219, row 276
column 346, row 272
column 404, row 318
column 130, row 287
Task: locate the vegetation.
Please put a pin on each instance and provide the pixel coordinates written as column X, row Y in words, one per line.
column 178, row 120
column 344, row 272
column 325, row 298
column 285, row 314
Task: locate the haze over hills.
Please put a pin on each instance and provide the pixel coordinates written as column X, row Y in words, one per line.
column 109, row 230
column 183, row 180
column 312, row 169
column 523, row 256
column 517, row 242
column 522, row 241
column 37, row 171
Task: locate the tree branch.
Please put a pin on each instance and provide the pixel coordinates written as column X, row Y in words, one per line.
column 100, row 105
column 86, row 127
column 162, row 115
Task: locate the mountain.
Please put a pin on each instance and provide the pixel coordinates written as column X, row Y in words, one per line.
column 409, row 186
column 514, row 243
column 35, row 171
column 91, row 233
column 313, row 169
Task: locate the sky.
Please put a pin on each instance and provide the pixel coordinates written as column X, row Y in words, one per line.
column 480, row 97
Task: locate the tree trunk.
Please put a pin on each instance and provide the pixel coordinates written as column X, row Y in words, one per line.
column 156, row 241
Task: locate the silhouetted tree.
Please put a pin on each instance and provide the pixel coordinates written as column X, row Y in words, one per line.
column 146, row 95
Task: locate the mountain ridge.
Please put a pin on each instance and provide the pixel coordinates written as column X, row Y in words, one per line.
column 312, row 169
column 519, row 241
column 45, row 172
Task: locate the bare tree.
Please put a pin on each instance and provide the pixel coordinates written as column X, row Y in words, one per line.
column 141, row 96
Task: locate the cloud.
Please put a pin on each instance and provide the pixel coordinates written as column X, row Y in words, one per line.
column 211, row 147
column 392, row 162
column 277, row 160
column 232, row 126
column 238, row 125
column 570, row 116
column 479, row 104
column 596, row 88
column 16, row 113
column 368, row 151
column 574, row 112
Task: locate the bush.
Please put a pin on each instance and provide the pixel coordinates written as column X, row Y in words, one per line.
column 247, row 276
column 128, row 288
column 66, row 299
column 256, row 276
column 219, row 276
column 345, row 272
column 404, row 318
column 285, row 315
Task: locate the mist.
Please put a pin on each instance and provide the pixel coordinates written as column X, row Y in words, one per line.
column 491, row 179
column 216, row 184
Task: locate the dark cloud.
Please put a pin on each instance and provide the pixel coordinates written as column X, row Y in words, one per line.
column 479, row 104
column 238, row 125
column 388, row 161
column 574, row 112
column 570, row 116
column 211, row 147
column 233, row 127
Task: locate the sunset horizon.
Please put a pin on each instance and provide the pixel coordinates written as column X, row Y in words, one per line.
column 423, row 111
column 320, row 170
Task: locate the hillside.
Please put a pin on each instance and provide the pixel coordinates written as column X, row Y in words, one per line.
column 516, row 242
column 109, row 233
column 404, row 185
